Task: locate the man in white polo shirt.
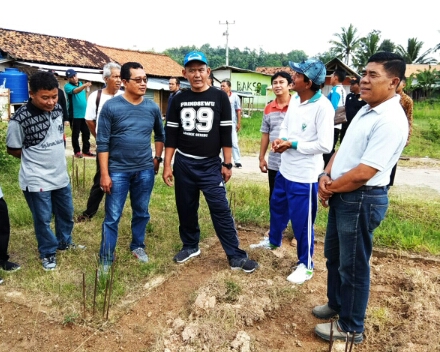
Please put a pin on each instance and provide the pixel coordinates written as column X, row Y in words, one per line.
column 354, row 185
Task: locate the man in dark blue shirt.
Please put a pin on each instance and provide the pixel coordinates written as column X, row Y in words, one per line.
column 126, row 162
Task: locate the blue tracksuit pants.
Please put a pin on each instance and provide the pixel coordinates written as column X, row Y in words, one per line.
column 297, row 202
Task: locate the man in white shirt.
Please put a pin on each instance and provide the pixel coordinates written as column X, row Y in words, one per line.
column 305, row 133
column 111, row 74
column 354, row 185
column 337, row 97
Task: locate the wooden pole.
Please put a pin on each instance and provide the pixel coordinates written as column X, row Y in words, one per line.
column 84, row 174
column 84, row 295
column 94, row 291
column 72, row 180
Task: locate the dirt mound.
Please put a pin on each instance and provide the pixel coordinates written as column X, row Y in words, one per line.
column 204, row 306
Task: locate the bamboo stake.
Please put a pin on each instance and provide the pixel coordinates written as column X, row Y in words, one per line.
column 84, row 295
column 111, row 289
column 84, row 173
column 105, row 297
column 331, row 337
column 94, row 293
column 77, row 177
column 73, row 172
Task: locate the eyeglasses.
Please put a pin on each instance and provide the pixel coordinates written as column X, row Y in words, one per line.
column 139, row 80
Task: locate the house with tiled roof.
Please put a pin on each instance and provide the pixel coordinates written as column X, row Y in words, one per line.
column 47, row 49
column 158, row 67
column 272, row 70
column 32, row 51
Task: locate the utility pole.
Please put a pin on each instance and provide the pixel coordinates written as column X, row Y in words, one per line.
column 227, row 23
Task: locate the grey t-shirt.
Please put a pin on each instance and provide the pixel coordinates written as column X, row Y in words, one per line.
column 39, row 135
column 1, row 193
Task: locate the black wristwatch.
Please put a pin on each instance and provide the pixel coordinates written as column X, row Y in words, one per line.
column 158, row 158
column 323, row 174
column 228, row 166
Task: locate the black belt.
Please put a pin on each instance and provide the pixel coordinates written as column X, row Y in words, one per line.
column 369, row 188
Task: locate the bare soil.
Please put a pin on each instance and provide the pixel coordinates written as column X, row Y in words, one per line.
column 194, row 310
column 204, row 306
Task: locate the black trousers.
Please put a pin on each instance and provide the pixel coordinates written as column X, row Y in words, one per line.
column 271, row 174
column 80, row 126
column 328, row 156
column 192, row 176
column 5, row 231
column 96, row 194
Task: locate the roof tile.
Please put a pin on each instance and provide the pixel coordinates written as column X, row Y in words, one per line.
column 154, row 64
column 51, row 50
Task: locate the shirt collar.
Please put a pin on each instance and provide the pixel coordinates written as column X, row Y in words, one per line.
column 381, row 108
column 313, row 99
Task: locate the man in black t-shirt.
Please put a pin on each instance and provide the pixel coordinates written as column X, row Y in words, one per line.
column 199, row 125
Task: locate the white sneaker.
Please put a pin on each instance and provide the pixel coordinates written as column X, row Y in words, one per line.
column 265, row 244
column 300, row 274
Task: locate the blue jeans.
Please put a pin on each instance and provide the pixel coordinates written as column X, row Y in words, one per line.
column 42, row 205
column 352, row 218
column 140, row 184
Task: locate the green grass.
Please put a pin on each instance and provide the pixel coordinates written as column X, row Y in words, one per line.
column 425, row 140
column 249, row 135
column 411, row 224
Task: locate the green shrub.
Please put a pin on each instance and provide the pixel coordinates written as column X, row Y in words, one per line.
column 5, row 159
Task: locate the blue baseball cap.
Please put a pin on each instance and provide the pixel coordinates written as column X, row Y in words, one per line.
column 70, row 73
column 312, row 68
column 195, row 56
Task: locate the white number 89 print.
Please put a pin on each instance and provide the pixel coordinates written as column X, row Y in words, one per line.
column 201, row 119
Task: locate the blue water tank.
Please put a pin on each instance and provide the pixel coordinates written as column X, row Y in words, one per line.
column 17, row 82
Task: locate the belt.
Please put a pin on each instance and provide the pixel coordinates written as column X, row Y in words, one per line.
column 369, row 188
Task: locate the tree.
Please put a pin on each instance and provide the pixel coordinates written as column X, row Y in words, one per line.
column 387, row 45
column 411, row 53
column 347, row 42
column 427, row 80
column 437, row 47
column 295, row 56
column 326, row 56
column 368, row 46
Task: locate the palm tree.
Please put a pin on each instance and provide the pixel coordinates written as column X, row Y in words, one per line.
column 411, row 53
column 368, row 46
column 387, row 45
column 437, row 47
column 346, row 44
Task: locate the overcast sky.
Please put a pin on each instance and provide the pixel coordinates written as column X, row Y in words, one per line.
column 274, row 26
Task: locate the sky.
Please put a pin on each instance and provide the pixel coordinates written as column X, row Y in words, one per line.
column 274, row 26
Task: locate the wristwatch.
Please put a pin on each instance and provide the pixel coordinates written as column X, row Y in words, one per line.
column 323, row 174
column 158, row 158
column 228, row 166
